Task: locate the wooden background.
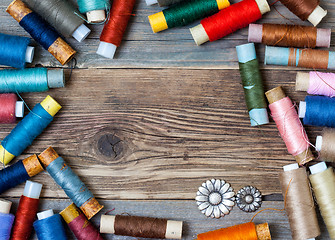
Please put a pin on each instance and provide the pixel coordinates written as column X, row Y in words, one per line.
column 145, row 129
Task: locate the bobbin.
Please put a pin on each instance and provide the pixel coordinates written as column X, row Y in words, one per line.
column 70, row 213
column 5, row 206
column 317, row 15
column 81, row 33
column 275, row 95
column 173, row 228
column 199, row 33
column 89, row 208
column 96, row 16
column 323, row 36
column 59, row 49
column 162, row 3
column 45, row 214
column 326, row 139
column 158, row 21
column 32, row 189
column 302, row 81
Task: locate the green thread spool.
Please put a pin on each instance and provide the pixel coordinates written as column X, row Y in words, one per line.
column 252, row 84
column 185, row 13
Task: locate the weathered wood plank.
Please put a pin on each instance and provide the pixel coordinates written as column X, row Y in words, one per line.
column 172, row 129
column 194, row 221
column 172, row 48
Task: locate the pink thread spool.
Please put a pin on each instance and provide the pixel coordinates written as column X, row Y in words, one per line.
column 10, row 108
column 288, row 123
column 316, row 83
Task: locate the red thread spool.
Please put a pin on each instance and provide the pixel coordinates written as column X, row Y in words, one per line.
column 10, row 108
column 114, row 29
column 228, row 20
column 79, row 225
column 26, row 212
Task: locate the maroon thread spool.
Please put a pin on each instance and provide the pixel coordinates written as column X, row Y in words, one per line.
column 10, row 108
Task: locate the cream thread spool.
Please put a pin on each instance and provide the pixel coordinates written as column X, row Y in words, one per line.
column 325, row 145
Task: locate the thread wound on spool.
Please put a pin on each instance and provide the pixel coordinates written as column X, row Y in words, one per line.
column 288, row 123
column 323, row 188
column 41, row 31
column 319, row 111
column 165, row 3
column 74, row 188
column 7, row 108
column 13, row 50
column 49, row 228
column 328, row 145
column 6, row 225
column 299, row 206
column 319, row 83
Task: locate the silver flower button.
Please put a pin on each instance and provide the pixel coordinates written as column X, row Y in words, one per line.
column 215, row 198
column 249, row 199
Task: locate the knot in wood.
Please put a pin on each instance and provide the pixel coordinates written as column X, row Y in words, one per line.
column 110, row 145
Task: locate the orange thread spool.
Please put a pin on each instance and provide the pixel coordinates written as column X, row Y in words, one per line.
column 245, row 231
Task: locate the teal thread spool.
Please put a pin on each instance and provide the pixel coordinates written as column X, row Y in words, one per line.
column 30, row 80
column 252, row 84
column 94, row 9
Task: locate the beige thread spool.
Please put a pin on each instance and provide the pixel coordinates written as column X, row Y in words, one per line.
column 59, row 49
column 325, row 144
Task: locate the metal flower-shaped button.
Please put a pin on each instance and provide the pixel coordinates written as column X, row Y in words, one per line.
column 249, row 199
column 215, row 198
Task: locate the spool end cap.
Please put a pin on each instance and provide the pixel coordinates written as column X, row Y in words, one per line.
column 5, row 206
column 317, row 15
column 106, row 50
column 302, row 109
column 246, row 52
column 199, row 34
column 56, row 78
column 29, row 54
column 151, row 2
column 318, row 143
column 81, row 33
column 255, row 33
column 96, row 16
column 32, row 189
column 258, row 116
column 45, row 214
column 290, row 167
column 19, row 109
column 317, row 168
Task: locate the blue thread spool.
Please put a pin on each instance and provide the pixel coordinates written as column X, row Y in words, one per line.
column 74, row 188
column 41, row 31
column 28, row 129
column 15, row 51
column 94, row 9
column 30, row 80
column 6, row 219
column 318, row 111
column 19, row 172
column 49, row 226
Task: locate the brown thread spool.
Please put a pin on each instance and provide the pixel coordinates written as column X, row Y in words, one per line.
column 325, row 144
column 275, row 95
column 306, row 10
column 299, row 203
column 59, row 49
column 141, row 227
column 90, row 207
column 289, row 35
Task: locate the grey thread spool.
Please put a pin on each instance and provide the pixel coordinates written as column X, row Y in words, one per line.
column 62, row 15
column 163, row 3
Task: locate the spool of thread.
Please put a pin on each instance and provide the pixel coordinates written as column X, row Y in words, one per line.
column 306, row 10
column 114, row 29
column 185, row 13
column 252, row 84
column 62, row 15
column 15, row 51
column 41, row 31
column 28, row 129
column 323, row 181
column 325, row 145
column 229, row 20
column 245, row 231
column 30, row 80
column 318, row 111
column 10, row 108
column 316, row 83
column 6, row 219
column 49, row 226
column 162, row 3
column 79, row 225
column 94, row 9
column 19, row 172
column 26, row 211
column 141, row 227
column 289, row 35
column 74, row 188
column 307, row 58
column 288, row 123
column 299, row 203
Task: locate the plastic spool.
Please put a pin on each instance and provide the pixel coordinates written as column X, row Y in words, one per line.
column 290, row 167
column 151, row 2
column 96, row 16
column 317, row 168
column 302, row 109
column 45, row 214
column 5, row 206
column 302, row 81
column 30, row 54
column 318, row 143
column 107, row 50
column 81, row 33
column 56, row 78
column 317, row 15
column 32, row 189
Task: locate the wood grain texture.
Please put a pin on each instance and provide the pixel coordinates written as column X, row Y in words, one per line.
column 168, row 130
column 193, row 220
column 171, row 48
